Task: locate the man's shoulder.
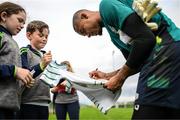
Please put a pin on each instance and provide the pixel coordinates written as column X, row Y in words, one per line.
column 114, row 5
column 115, row 11
column 106, row 3
column 111, row 2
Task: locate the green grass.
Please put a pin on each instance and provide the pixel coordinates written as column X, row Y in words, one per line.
column 92, row 113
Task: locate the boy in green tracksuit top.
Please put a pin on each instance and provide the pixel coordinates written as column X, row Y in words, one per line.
column 35, row 100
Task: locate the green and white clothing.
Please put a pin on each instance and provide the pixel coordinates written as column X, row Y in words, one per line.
column 159, row 76
column 39, row 94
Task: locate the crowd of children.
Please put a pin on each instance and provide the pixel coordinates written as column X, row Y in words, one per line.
column 23, row 94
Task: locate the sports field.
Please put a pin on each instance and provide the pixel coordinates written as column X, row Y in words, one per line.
column 92, row 113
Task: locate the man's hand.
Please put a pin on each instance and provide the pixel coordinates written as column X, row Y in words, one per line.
column 115, row 82
column 96, row 74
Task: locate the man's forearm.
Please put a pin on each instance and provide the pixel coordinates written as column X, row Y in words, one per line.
column 126, row 71
column 111, row 74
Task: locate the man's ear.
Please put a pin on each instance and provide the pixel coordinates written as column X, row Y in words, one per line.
column 84, row 16
column 28, row 35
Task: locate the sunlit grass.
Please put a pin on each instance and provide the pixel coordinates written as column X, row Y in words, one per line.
column 92, row 113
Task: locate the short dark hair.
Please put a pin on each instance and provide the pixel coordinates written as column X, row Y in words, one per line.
column 36, row 25
column 10, row 8
column 77, row 17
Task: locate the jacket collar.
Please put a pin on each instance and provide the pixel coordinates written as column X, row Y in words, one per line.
column 3, row 29
column 35, row 51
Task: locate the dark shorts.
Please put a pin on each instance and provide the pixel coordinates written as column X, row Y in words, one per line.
column 154, row 112
column 159, row 81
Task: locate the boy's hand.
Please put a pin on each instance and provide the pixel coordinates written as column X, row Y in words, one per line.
column 58, row 88
column 46, row 59
column 64, row 83
column 54, row 89
column 24, row 75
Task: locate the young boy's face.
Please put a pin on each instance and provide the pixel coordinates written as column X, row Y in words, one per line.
column 38, row 39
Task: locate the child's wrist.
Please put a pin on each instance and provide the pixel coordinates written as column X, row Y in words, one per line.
column 15, row 71
column 42, row 66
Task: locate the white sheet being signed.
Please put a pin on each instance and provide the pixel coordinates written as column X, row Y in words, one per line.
column 93, row 89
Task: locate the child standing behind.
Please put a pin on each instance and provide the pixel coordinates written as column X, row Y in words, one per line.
column 35, row 100
column 66, row 98
column 12, row 20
